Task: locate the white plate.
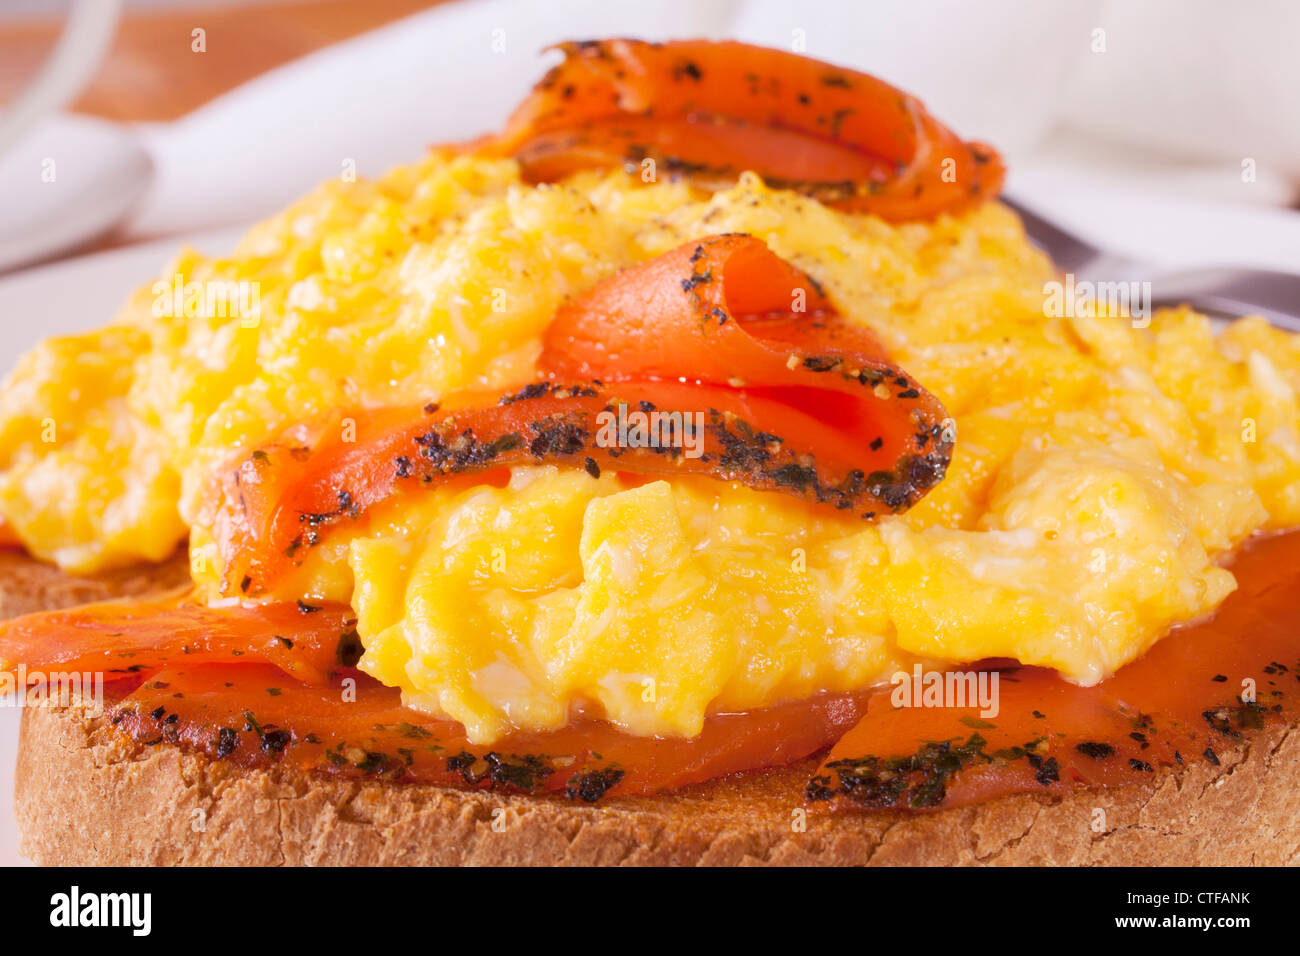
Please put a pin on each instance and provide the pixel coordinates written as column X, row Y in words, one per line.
column 83, row 293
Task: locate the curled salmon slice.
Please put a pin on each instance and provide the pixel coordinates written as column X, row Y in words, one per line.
column 707, row 111
column 730, row 361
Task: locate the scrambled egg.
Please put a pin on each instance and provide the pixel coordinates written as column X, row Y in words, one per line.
column 1101, row 472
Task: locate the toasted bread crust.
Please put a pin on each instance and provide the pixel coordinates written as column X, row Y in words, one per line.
column 27, row 585
column 87, row 795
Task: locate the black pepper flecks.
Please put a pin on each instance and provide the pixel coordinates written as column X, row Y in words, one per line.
column 1095, row 750
column 274, row 741
column 523, row 772
column 227, row 741
column 349, row 649
column 591, row 785
column 918, row 780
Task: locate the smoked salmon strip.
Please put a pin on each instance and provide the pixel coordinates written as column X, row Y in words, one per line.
column 253, row 716
column 738, row 352
column 119, row 639
column 708, row 111
column 1195, row 695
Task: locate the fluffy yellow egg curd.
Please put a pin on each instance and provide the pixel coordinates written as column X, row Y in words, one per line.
column 1102, row 471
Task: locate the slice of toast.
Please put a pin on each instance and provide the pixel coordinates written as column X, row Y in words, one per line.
column 87, row 795
column 27, row 585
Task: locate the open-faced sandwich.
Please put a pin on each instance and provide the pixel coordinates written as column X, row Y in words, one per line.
column 692, row 472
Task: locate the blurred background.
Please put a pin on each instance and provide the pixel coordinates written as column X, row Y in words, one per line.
column 174, row 117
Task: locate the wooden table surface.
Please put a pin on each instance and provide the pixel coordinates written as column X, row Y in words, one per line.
column 151, row 72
